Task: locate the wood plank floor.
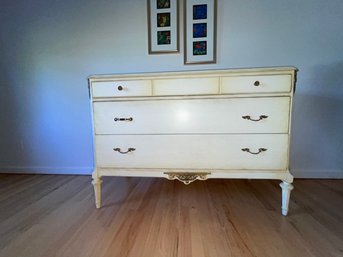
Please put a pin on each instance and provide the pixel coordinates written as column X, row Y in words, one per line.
column 55, row 215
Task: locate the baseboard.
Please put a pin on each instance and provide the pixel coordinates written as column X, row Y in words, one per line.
column 297, row 173
column 323, row 174
column 48, row 170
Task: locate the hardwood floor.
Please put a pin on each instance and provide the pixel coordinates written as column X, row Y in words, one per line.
column 54, row 215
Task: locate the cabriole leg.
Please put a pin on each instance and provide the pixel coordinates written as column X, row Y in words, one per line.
column 286, row 192
column 97, row 190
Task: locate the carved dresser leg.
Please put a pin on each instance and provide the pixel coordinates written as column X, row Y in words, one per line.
column 97, row 191
column 286, row 192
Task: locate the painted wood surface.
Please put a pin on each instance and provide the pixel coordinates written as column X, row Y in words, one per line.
column 228, row 115
column 194, row 152
column 157, row 121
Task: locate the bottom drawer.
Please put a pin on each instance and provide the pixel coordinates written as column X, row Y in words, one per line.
column 263, row 151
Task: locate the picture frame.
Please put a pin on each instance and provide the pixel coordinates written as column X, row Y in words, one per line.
column 163, row 26
column 200, row 31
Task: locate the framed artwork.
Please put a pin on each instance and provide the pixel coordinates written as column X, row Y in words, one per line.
column 163, row 26
column 200, row 31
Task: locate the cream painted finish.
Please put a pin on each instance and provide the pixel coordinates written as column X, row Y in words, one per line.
column 194, row 125
column 122, row 88
column 186, row 86
column 193, row 116
column 193, row 151
column 256, row 84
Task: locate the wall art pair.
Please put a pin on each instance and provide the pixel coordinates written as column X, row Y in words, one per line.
column 200, row 18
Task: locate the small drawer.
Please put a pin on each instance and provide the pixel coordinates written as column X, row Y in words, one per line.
column 186, row 86
column 256, row 84
column 122, row 88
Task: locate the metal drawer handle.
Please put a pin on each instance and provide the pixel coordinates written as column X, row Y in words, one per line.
column 247, row 117
column 260, row 150
column 120, row 88
column 123, row 119
column 122, row 152
column 257, row 83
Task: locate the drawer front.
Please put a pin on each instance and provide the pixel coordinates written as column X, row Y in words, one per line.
column 256, row 84
column 122, row 88
column 233, row 115
column 186, row 86
column 265, row 152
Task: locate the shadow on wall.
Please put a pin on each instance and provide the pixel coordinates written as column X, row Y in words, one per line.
column 48, row 48
column 317, row 139
column 11, row 110
column 44, row 114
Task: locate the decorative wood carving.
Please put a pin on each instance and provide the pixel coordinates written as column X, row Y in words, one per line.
column 187, row 177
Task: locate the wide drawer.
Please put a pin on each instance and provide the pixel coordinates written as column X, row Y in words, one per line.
column 231, row 115
column 256, row 84
column 261, row 152
column 186, row 86
column 122, row 88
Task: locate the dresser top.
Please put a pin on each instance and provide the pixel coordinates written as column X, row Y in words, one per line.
column 207, row 73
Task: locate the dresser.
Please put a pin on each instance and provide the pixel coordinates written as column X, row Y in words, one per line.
column 194, row 125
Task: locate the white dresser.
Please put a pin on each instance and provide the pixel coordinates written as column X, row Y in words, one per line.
column 194, row 125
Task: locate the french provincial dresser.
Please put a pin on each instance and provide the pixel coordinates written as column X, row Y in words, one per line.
column 194, row 125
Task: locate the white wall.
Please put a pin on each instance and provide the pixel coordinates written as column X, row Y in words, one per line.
column 48, row 48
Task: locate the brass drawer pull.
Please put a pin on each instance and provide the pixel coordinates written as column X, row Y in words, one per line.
column 247, row 117
column 260, row 150
column 257, row 83
column 123, row 119
column 124, row 152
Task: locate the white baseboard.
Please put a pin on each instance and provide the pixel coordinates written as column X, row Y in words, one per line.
column 321, row 174
column 297, row 173
column 48, row 170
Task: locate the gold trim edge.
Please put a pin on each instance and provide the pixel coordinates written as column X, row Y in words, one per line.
column 187, row 177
